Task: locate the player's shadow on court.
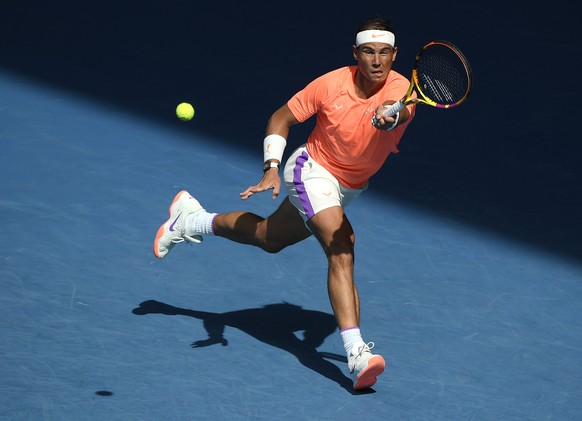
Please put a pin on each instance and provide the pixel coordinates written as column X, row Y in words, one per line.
column 273, row 324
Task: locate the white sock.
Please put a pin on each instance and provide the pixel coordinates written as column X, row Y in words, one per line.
column 200, row 223
column 351, row 336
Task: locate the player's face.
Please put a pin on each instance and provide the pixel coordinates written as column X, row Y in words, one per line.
column 375, row 60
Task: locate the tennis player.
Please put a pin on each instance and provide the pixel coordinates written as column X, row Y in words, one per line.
column 322, row 177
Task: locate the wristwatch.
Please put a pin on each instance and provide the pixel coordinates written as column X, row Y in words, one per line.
column 270, row 164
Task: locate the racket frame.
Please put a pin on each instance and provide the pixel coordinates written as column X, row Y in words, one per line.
column 415, row 83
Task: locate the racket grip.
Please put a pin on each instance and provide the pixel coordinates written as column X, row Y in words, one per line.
column 393, row 109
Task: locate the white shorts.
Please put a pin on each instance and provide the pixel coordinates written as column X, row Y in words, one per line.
column 312, row 188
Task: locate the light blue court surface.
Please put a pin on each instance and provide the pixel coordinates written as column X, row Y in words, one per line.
column 475, row 307
column 473, row 326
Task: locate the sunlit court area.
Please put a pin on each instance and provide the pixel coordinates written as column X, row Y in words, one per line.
column 468, row 241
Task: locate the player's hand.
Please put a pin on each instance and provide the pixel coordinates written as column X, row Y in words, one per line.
column 270, row 181
column 381, row 121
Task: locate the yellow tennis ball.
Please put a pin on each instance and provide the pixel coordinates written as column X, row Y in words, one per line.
column 185, row 111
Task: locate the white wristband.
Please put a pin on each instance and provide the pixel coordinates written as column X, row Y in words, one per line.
column 273, row 147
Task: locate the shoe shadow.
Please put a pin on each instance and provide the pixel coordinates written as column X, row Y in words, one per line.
column 273, row 324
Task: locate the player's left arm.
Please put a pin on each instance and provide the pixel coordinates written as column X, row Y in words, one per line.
column 279, row 124
column 281, row 121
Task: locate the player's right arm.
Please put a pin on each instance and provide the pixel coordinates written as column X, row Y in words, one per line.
column 278, row 124
column 383, row 121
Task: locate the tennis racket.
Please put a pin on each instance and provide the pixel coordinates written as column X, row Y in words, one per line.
column 441, row 77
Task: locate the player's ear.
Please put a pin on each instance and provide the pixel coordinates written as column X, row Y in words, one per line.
column 355, row 52
column 394, row 54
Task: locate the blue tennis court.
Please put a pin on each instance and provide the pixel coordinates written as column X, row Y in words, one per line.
column 469, row 252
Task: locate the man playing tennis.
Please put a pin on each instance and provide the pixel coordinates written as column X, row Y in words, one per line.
column 321, row 177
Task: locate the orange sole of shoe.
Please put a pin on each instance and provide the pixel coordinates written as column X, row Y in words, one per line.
column 161, row 229
column 369, row 376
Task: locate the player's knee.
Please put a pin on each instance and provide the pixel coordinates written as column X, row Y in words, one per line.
column 272, row 247
column 341, row 258
column 341, row 248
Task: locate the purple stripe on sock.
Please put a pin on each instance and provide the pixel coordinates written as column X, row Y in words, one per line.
column 349, row 328
column 212, row 223
column 300, row 187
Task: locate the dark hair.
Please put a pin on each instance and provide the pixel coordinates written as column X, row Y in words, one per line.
column 375, row 23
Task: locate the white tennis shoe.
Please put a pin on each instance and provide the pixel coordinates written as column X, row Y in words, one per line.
column 364, row 366
column 173, row 231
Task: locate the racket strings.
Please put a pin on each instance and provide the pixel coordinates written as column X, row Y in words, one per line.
column 442, row 75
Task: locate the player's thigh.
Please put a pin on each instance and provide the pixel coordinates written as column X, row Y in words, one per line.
column 285, row 226
column 333, row 230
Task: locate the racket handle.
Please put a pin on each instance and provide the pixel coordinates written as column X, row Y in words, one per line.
column 393, row 109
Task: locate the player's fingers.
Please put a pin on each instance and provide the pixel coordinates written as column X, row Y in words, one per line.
column 247, row 193
column 380, row 122
column 385, row 122
column 276, row 191
column 380, row 113
column 250, row 191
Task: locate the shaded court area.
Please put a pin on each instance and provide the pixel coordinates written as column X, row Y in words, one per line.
column 468, row 252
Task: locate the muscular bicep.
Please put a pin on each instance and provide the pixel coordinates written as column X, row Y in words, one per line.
column 281, row 121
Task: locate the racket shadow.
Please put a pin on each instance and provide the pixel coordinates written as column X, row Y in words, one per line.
column 273, row 324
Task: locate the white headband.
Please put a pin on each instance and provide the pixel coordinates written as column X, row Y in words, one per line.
column 375, row 35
